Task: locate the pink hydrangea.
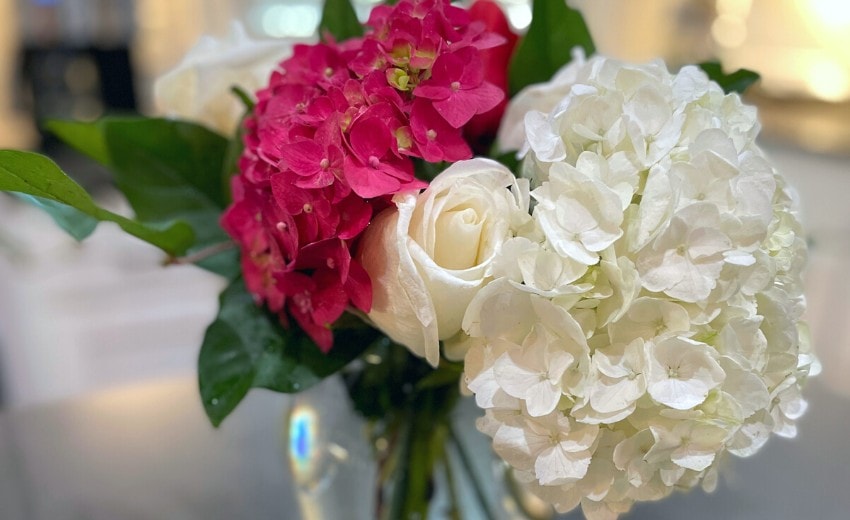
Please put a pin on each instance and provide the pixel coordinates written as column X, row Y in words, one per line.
column 334, row 135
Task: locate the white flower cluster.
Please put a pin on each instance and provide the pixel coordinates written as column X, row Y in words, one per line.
column 648, row 320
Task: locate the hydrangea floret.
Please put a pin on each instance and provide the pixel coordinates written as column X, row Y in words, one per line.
column 334, row 135
column 649, row 322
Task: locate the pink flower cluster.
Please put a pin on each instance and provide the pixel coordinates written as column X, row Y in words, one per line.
column 334, row 135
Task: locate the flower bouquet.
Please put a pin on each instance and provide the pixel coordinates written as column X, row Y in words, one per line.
column 597, row 251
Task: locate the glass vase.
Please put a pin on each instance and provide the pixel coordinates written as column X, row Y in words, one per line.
column 345, row 466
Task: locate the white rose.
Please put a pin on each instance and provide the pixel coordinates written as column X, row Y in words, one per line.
column 199, row 88
column 430, row 255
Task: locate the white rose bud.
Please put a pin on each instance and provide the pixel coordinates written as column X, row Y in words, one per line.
column 432, row 253
column 199, row 88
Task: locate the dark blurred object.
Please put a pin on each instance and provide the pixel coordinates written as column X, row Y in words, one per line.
column 75, row 63
column 80, row 83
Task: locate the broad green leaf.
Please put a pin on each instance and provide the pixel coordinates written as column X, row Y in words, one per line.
column 447, row 374
column 236, row 145
column 85, row 137
column 163, row 166
column 340, row 20
column 555, row 29
column 509, row 160
column 738, row 81
column 168, row 170
column 75, row 223
column 35, row 175
column 246, row 347
column 427, row 171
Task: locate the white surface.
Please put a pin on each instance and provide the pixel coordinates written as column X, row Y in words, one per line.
column 75, row 318
column 823, row 183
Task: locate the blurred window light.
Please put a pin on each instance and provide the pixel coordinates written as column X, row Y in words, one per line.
column 832, row 13
column 729, row 31
column 828, row 80
column 736, row 8
column 364, row 7
column 518, row 13
column 289, row 21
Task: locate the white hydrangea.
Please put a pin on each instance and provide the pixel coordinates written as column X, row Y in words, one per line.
column 649, row 321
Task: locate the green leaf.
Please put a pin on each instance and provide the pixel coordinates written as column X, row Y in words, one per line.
column 340, row 20
column 75, row 223
column 85, row 137
column 246, row 347
column 510, row 161
column 164, row 166
column 555, row 29
column 386, row 383
column 738, row 81
column 423, row 434
column 243, row 97
column 168, row 170
column 235, row 147
column 447, row 374
column 427, row 171
column 37, row 176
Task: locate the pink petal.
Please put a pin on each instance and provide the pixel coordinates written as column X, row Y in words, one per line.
column 368, row 182
column 329, row 301
column 472, row 71
column 369, row 137
column 436, row 139
column 358, row 286
column 329, row 255
column 302, row 156
column 458, row 109
column 321, row 335
column 486, row 97
column 455, row 109
column 354, row 216
column 434, row 91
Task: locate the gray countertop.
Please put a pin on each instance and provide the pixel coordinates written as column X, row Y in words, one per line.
column 147, row 452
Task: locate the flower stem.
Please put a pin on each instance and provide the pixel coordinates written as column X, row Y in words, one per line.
column 473, row 475
column 202, row 254
column 454, row 512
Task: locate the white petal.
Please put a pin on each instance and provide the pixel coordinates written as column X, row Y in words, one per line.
column 515, row 380
column 692, row 459
column 681, row 395
column 555, row 466
column 401, row 305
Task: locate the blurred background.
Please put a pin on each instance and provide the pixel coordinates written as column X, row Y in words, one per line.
column 79, row 321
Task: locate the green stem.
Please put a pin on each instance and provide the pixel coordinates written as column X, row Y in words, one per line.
column 410, row 495
column 473, row 475
column 386, row 462
column 201, row 254
column 401, row 468
column 454, row 512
